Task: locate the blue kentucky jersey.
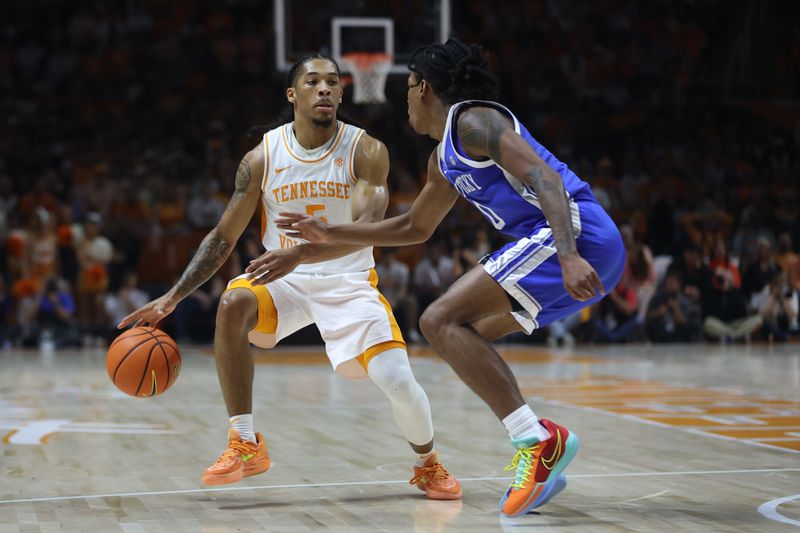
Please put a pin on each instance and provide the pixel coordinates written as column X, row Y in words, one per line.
column 511, row 206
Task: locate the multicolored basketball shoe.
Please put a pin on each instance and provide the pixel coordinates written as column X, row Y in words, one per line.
column 551, row 491
column 240, row 459
column 435, row 480
column 538, row 468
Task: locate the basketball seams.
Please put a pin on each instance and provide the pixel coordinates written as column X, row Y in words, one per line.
column 146, row 367
column 163, row 352
column 167, row 342
column 147, row 364
column 171, row 343
column 144, row 338
column 121, row 338
column 166, row 365
column 131, row 350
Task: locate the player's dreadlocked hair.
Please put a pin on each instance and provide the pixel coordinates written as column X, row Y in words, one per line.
column 287, row 115
column 455, row 70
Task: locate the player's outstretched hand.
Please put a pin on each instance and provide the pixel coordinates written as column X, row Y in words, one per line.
column 580, row 279
column 305, row 227
column 151, row 313
column 272, row 265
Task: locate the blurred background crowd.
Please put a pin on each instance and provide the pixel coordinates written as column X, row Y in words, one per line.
column 123, row 122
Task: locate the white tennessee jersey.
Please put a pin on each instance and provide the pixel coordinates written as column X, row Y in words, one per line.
column 321, row 186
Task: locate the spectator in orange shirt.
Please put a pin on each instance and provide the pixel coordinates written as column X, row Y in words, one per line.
column 42, row 247
column 94, row 254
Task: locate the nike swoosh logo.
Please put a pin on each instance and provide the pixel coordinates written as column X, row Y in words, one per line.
column 248, row 457
column 279, row 170
column 556, row 455
column 155, row 385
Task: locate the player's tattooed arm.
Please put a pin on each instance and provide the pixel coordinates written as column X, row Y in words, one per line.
column 215, row 248
column 220, row 241
column 480, row 130
column 485, row 132
column 549, row 188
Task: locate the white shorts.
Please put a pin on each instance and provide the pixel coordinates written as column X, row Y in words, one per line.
column 353, row 317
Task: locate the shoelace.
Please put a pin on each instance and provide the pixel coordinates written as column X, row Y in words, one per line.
column 436, row 471
column 235, row 448
column 523, row 463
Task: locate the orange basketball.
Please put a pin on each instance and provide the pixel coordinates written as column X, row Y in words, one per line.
column 143, row 361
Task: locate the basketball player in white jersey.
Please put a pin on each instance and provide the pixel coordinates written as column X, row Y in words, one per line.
column 327, row 168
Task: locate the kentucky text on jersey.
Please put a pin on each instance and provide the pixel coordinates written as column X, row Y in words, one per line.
column 465, row 184
column 510, row 205
column 311, row 189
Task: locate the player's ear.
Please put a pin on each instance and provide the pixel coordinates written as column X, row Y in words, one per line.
column 290, row 95
column 424, row 88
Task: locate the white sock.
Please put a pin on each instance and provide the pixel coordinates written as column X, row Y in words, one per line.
column 524, row 424
column 421, row 458
column 244, row 425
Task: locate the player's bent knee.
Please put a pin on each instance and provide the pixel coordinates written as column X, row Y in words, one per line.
column 391, row 372
column 399, row 386
column 433, row 319
column 403, row 387
column 237, row 309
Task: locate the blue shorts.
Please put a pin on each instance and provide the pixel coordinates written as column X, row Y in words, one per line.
column 529, row 271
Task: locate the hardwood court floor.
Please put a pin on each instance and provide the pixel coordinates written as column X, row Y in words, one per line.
column 687, row 438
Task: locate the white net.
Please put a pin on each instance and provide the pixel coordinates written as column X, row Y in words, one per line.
column 370, row 71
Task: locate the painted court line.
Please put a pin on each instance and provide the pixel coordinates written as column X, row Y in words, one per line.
column 770, row 510
column 388, row 482
column 649, row 422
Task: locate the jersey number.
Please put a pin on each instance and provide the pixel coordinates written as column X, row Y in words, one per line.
column 314, row 208
column 493, row 217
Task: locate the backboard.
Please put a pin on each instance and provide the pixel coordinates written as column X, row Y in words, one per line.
column 342, row 26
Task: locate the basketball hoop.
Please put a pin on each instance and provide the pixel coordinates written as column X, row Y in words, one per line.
column 370, row 70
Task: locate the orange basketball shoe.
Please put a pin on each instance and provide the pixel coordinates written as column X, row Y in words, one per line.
column 435, row 480
column 538, row 468
column 241, row 459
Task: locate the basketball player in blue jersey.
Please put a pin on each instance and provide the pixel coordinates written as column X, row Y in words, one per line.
column 567, row 251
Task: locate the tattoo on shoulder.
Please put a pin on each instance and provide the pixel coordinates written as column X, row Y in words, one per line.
column 242, row 183
column 482, row 130
column 243, row 175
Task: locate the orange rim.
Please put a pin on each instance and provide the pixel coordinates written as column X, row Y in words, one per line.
column 366, row 60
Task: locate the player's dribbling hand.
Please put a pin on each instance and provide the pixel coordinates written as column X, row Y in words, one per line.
column 151, row 313
column 305, row 227
column 272, row 265
column 580, row 279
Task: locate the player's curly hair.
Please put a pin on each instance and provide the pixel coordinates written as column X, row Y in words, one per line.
column 456, row 71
